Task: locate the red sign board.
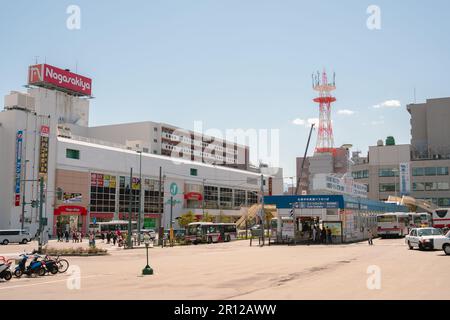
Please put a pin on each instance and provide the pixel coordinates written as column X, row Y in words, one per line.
column 70, row 210
column 193, row 196
column 45, row 75
column 17, row 200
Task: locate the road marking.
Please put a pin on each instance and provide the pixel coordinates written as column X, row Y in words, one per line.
column 47, row 282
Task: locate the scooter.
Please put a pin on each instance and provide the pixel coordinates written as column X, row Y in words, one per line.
column 5, row 271
column 50, row 265
column 35, row 267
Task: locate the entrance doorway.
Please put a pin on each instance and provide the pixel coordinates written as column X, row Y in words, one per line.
column 69, row 223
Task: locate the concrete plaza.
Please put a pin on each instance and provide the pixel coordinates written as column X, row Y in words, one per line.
column 237, row 271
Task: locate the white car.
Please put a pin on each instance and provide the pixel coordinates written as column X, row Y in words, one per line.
column 428, row 238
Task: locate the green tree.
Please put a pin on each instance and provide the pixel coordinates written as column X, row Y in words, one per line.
column 207, row 217
column 187, row 218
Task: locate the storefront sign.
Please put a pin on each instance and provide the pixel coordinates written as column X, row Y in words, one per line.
column 270, row 185
column 405, row 178
column 44, row 75
column 71, row 210
column 19, row 141
column 72, row 197
column 193, row 196
column 288, row 228
column 43, row 154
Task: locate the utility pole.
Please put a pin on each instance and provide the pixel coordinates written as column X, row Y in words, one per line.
column 130, row 208
column 304, row 158
column 41, row 211
column 140, row 198
column 263, row 214
column 171, row 223
column 203, row 200
column 22, row 224
column 161, row 226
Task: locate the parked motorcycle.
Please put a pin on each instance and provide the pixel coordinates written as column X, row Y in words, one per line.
column 50, row 265
column 35, row 267
column 5, row 271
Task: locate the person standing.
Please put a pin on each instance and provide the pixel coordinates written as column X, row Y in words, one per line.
column 323, row 235
column 114, row 238
column 108, row 237
column 314, row 231
column 370, row 235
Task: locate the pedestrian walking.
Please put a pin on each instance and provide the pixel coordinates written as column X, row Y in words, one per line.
column 314, row 232
column 103, row 237
column 108, row 237
column 370, row 235
column 66, row 234
column 114, row 239
column 323, row 235
column 329, row 236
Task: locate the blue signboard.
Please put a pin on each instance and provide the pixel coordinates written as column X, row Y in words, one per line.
column 19, row 140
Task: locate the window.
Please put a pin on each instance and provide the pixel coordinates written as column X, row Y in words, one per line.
column 211, row 197
column 387, row 172
column 362, row 174
column 430, row 171
column 155, row 140
column 226, row 197
column 73, row 154
column 124, row 195
column 239, row 198
column 252, row 198
column 194, row 172
column 417, row 172
column 443, row 186
column 152, row 196
column 145, row 150
column 442, row 171
column 388, row 187
column 103, row 193
column 418, row 186
column 444, row 202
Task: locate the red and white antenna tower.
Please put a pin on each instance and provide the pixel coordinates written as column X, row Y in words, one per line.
column 325, row 140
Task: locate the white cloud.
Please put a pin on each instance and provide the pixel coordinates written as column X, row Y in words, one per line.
column 298, row 122
column 313, row 120
column 388, row 104
column 346, row 112
column 307, row 123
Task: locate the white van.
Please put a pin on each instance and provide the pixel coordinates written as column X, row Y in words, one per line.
column 14, row 236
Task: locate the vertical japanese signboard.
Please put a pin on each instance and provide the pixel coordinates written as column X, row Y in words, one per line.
column 405, row 178
column 43, row 153
column 19, row 141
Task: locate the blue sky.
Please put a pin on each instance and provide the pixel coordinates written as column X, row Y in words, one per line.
column 240, row 63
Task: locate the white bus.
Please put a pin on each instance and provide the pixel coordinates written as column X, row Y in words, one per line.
column 420, row 220
column 441, row 218
column 122, row 225
column 14, row 236
column 208, row 232
column 393, row 224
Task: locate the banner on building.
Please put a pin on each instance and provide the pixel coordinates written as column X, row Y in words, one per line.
column 72, row 197
column 43, row 153
column 405, row 178
column 19, row 142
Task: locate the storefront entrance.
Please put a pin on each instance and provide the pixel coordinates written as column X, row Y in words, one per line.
column 68, row 223
column 70, row 218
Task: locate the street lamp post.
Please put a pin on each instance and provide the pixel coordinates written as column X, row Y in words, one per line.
column 147, row 270
column 24, row 194
column 130, row 208
column 140, row 198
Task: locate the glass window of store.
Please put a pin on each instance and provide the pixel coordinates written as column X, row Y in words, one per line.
column 103, row 193
column 211, row 197
column 252, row 198
column 226, row 198
column 152, row 196
column 124, row 194
column 388, row 187
column 239, row 198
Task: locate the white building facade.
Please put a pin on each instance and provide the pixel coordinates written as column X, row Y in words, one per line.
column 44, row 133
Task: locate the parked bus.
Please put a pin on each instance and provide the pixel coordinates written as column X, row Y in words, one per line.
column 122, row 225
column 393, row 224
column 441, row 218
column 420, row 220
column 228, row 231
column 208, row 232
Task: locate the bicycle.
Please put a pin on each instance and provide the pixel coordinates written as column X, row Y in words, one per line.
column 62, row 264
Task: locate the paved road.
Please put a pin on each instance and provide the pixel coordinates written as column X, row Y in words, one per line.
column 237, row 271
